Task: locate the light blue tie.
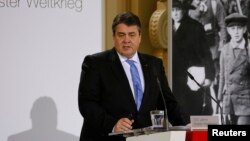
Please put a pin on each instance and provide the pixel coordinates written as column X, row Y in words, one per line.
column 136, row 83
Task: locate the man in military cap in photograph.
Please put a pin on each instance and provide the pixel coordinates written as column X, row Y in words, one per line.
column 234, row 86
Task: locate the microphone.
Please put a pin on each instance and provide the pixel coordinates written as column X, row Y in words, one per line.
column 221, row 114
column 165, row 122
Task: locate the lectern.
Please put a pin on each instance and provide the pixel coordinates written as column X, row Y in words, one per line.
column 160, row 136
column 175, row 133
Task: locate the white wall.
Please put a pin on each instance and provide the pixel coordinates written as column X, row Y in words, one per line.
column 41, row 52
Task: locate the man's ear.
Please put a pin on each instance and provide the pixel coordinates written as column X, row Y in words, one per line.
column 227, row 29
column 245, row 29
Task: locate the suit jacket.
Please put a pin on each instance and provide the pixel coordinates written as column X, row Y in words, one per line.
column 190, row 49
column 105, row 95
column 234, row 84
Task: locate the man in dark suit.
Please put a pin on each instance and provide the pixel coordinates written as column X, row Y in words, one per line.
column 189, row 51
column 107, row 97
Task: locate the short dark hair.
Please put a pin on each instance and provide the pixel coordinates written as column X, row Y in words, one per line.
column 127, row 18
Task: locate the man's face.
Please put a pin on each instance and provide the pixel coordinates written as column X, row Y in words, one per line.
column 177, row 14
column 126, row 39
column 236, row 32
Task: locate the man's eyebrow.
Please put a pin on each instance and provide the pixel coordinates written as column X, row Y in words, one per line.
column 120, row 32
column 125, row 32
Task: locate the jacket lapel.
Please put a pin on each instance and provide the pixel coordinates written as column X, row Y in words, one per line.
column 120, row 75
column 147, row 79
column 241, row 58
column 118, row 71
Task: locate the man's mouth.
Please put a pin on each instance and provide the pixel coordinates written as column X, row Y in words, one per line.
column 126, row 46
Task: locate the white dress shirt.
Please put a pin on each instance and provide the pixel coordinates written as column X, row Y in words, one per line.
column 126, row 68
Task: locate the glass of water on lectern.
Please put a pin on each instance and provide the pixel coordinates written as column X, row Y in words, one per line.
column 157, row 118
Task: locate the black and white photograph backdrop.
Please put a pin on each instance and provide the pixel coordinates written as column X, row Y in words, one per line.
column 198, row 33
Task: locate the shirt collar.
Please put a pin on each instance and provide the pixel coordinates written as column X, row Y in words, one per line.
column 241, row 45
column 135, row 58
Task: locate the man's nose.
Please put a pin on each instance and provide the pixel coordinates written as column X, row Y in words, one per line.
column 127, row 38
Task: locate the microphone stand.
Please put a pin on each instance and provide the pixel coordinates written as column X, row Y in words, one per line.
column 221, row 114
column 165, row 122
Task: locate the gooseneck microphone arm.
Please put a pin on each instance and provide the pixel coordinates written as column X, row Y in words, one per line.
column 165, row 122
column 221, row 114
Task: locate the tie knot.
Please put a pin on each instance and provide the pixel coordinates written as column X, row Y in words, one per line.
column 130, row 62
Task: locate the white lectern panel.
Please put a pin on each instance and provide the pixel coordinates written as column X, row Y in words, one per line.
column 161, row 136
